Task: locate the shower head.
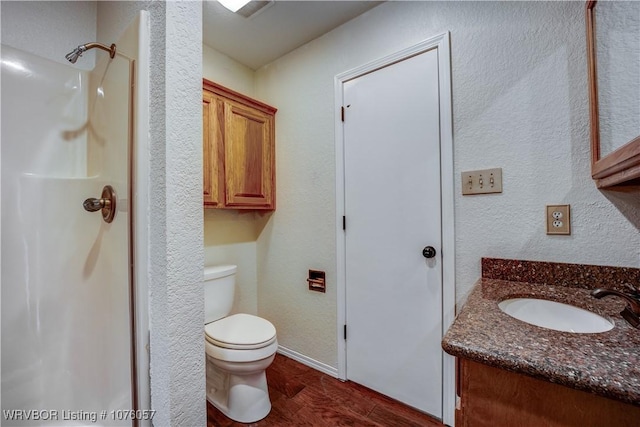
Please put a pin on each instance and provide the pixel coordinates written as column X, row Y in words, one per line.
column 77, row 52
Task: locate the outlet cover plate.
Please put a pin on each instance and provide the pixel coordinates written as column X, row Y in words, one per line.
column 484, row 181
column 559, row 219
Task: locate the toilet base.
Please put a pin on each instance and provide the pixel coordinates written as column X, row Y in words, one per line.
column 239, row 390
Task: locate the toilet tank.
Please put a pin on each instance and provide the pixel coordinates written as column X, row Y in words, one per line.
column 219, row 290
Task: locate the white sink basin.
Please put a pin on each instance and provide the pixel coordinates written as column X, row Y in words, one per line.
column 555, row 315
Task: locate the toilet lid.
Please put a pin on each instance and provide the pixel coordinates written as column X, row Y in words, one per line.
column 240, row 331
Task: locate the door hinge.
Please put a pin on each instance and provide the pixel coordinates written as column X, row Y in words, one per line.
column 345, row 332
column 344, row 222
column 342, row 113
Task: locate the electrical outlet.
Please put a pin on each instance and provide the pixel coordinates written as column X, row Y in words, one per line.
column 558, row 219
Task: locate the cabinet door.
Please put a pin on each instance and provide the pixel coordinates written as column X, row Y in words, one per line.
column 495, row 397
column 212, row 119
column 248, row 157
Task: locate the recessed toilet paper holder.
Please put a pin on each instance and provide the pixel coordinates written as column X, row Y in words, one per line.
column 316, row 281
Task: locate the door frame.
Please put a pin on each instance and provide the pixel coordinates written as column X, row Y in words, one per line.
column 442, row 44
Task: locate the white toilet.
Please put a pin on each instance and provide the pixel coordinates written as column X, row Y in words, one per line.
column 239, row 348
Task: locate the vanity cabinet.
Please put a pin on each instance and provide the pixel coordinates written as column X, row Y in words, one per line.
column 238, row 150
column 495, row 397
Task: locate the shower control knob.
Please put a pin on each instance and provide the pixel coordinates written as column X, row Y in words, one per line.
column 106, row 203
column 429, row 252
column 93, row 205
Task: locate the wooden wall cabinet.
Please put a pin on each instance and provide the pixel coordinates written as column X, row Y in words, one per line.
column 617, row 170
column 495, row 397
column 238, row 150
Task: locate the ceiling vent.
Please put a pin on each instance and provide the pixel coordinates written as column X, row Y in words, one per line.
column 254, row 7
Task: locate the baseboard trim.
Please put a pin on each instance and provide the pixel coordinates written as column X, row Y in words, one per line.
column 305, row 360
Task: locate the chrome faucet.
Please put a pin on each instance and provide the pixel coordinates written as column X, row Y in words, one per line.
column 631, row 312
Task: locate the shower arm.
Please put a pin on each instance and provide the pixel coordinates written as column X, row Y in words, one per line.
column 77, row 52
column 111, row 49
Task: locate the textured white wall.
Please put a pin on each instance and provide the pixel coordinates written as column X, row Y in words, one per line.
column 244, row 256
column 223, row 70
column 230, row 236
column 50, row 29
column 520, row 103
column 185, row 259
column 175, row 204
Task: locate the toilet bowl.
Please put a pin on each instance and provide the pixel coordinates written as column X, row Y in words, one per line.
column 239, row 349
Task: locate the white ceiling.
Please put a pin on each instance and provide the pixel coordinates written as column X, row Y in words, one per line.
column 278, row 29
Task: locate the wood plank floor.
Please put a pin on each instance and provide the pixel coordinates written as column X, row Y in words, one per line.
column 302, row 396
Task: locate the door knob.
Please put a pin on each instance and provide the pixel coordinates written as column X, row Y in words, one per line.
column 429, row 252
column 106, row 203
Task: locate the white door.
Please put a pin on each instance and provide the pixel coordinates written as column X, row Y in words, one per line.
column 393, row 211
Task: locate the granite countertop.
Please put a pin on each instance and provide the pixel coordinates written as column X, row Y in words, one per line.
column 607, row 363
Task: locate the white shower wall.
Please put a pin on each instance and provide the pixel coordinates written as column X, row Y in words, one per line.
column 169, row 175
column 65, row 307
column 48, row 102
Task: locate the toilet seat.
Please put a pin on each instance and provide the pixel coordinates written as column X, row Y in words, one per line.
column 240, row 332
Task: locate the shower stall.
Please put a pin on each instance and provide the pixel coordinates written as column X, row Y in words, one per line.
column 73, row 299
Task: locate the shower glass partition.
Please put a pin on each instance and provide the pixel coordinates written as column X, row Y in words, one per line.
column 66, row 274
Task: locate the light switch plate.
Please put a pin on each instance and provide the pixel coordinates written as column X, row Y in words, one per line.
column 482, row 181
column 558, row 219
